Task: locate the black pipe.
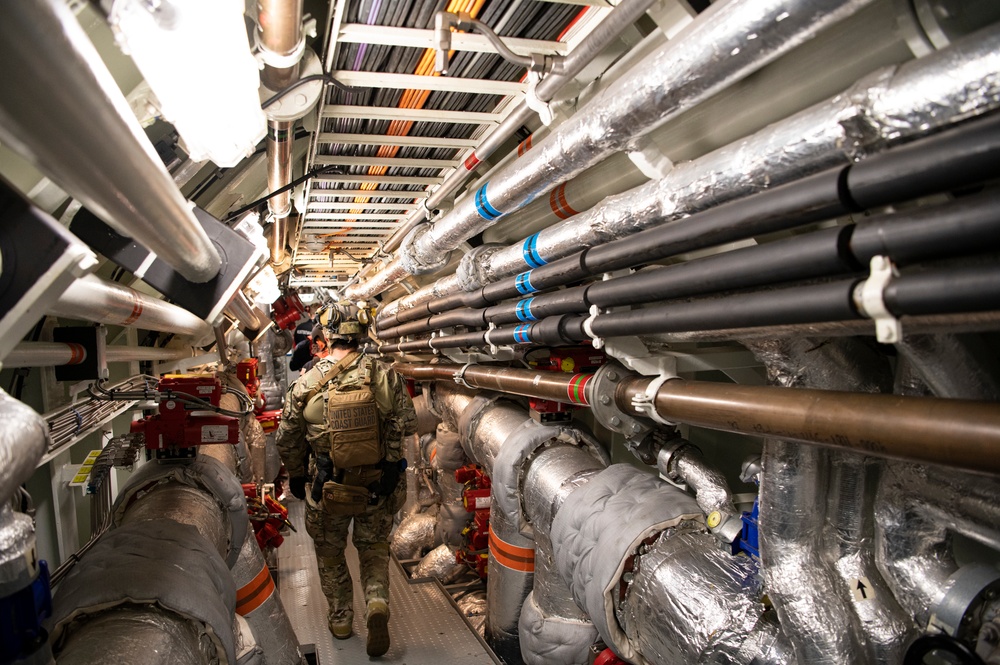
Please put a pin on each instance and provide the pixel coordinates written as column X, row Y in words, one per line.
column 940, row 163
column 954, row 228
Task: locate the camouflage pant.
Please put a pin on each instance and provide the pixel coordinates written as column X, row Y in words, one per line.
column 371, row 538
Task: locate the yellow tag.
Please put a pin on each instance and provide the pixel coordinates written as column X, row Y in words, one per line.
column 714, row 519
column 567, row 365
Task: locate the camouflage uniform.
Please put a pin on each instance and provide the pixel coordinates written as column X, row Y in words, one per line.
column 371, row 529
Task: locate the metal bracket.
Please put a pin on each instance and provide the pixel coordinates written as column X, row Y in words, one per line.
column 646, row 402
column 869, row 296
column 460, row 377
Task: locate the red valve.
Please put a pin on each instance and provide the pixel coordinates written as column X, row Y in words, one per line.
column 608, row 657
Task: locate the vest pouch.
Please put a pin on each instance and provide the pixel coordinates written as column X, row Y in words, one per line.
column 352, row 425
column 341, row 499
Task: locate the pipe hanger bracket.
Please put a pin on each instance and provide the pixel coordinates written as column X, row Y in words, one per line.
column 869, row 296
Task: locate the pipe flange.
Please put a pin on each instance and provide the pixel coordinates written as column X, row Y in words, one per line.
column 602, row 401
column 470, row 273
column 408, row 259
column 302, row 100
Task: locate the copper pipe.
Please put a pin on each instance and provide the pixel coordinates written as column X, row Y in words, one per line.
column 553, row 386
column 279, row 29
column 958, row 433
column 279, row 174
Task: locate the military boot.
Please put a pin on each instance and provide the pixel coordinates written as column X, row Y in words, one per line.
column 342, row 626
column 377, row 621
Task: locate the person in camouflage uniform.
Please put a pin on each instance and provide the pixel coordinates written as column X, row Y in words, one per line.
column 297, row 437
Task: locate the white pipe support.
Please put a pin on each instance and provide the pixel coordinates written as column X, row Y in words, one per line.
column 92, row 299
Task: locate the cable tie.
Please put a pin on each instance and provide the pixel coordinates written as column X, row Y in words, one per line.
column 871, row 300
column 645, row 403
column 79, row 421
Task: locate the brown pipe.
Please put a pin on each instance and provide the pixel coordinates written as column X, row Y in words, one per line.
column 958, row 433
column 279, row 174
column 279, row 31
column 556, row 386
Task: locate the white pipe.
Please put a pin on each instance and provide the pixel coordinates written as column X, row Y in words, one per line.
column 53, row 354
column 63, row 111
column 724, row 44
column 92, row 299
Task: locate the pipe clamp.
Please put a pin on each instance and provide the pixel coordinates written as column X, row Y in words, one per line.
column 588, row 327
column 460, row 377
column 869, row 296
column 645, row 404
column 536, row 103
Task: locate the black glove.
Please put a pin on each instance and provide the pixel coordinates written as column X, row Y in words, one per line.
column 390, row 476
column 297, row 486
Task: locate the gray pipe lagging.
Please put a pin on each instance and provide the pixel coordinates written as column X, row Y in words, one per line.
column 88, row 140
column 953, row 366
column 724, row 44
column 24, row 439
column 809, row 595
column 621, row 17
column 552, row 626
column 887, row 107
column 153, row 635
column 849, row 538
column 260, row 605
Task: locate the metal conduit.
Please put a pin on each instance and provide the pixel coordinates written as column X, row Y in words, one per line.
column 678, row 76
column 957, row 433
column 621, row 17
column 53, row 354
column 92, row 299
column 87, row 140
column 883, row 109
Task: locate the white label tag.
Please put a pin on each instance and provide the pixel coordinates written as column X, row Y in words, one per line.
column 214, row 433
column 482, row 502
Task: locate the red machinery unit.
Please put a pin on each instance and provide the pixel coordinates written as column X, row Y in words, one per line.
column 246, row 372
column 476, row 499
column 181, row 425
column 287, row 310
column 268, row 517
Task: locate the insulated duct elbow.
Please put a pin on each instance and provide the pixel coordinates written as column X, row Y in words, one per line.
column 24, row 438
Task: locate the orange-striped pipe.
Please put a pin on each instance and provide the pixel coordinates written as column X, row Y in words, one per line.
column 253, row 594
column 511, row 556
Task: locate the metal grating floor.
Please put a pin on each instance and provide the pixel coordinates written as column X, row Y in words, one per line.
column 425, row 628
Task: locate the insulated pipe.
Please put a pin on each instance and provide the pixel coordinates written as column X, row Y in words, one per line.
column 620, row 18
column 24, row 439
column 52, row 354
column 134, row 634
column 960, row 77
column 816, row 616
column 957, row 433
column 88, row 140
column 280, row 141
column 258, row 602
column 241, row 310
column 725, row 43
column 92, row 299
column 965, row 226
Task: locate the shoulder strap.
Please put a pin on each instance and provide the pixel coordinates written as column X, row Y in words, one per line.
column 330, row 375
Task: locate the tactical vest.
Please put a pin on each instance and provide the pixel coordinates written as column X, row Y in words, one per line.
column 345, row 406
